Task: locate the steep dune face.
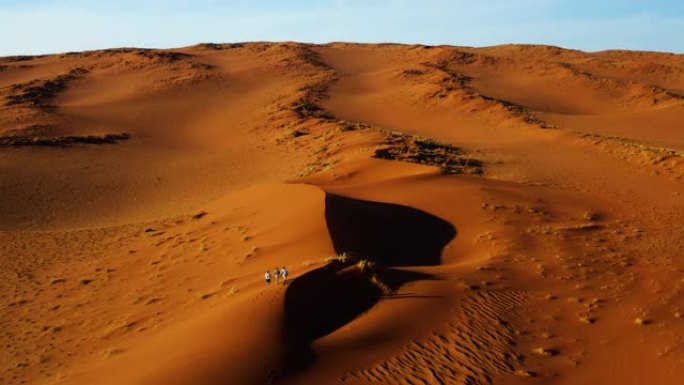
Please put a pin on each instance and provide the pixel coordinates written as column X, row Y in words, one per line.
column 448, row 214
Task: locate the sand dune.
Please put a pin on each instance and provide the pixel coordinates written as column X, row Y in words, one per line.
column 449, row 215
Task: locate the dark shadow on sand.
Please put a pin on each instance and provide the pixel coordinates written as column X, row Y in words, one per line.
column 324, row 300
column 389, row 234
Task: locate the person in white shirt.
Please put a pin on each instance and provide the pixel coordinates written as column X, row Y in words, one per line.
column 283, row 274
column 267, row 277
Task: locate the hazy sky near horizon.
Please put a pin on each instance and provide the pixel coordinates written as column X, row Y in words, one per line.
column 48, row 26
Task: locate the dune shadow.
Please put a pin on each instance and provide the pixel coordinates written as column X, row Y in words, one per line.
column 318, row 303
column 389, row 234
column 325, row 299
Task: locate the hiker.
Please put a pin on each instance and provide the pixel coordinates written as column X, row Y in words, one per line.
column 267, row 276
column 276, row 274
column 283, row 273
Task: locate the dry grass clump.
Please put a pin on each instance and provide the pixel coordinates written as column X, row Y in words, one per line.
column 199, row 215
column 381, row 285
column 342, row 258
column 545, row 352
column 641, row 321
column 524, row 373
column 111, row 352
column 365, row 265
column 232, row 291
column 296, row 133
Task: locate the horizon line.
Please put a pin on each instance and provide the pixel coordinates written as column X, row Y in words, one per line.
column 142, row 47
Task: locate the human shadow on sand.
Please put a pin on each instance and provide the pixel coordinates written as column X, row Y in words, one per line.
column 325, row 299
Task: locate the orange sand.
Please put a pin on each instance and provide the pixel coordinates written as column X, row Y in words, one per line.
column 549, row 252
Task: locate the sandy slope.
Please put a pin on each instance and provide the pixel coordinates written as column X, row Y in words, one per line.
column 143, row 194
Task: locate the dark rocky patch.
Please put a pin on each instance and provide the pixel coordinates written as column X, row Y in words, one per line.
column 408, row 148
column 60, row 141
column 39, row 94
column 413, row 72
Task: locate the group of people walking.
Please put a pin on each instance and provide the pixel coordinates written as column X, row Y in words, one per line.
column 278, row 274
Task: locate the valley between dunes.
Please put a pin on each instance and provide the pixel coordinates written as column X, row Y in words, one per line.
column 448, row 215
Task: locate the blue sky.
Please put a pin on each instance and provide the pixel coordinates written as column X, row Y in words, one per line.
column 47, row 26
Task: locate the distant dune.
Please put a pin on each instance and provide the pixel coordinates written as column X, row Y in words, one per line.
column 448, row 215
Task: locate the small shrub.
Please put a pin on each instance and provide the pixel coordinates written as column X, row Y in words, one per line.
column 381, row 285
column 544, row 352
column 365, row 265
column 641, row 321
column 344, row 258
column 199, row 215
column 297, row 133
